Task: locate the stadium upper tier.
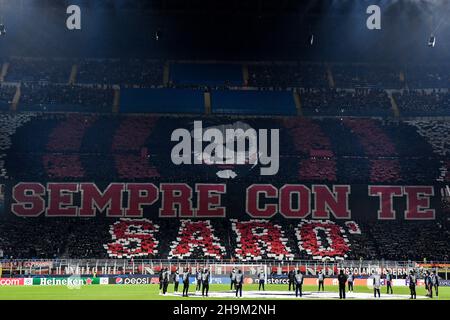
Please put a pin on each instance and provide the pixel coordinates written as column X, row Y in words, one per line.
column 275, row 88
column 146, row 73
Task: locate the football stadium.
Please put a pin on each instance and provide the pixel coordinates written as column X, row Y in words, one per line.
column 225, row 150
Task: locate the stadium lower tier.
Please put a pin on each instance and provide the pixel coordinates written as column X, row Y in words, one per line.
column 241, row 240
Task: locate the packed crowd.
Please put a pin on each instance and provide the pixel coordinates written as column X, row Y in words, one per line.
column 126, row 72
column 105, row 147
column 39, row 70
column 423, row 103
column 428, row 76
column 133, row 148
column 325, row 89
column 245, row 240
column 282, row 76
column 132, row 72
column 7, row 93
column 358, row 102
column 49, row 97
column 367, row 76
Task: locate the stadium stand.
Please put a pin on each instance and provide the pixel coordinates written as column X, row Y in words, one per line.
column 428, row 76
column 216, row 74
column 359, row 102
column 282, row 76
column 39, row 70
column 325, row 89
column 423, row 103
column 250, row 240
column 366, row 76
column 162, row 101
column 130, row 72
column 50, row 97
column 253, row 102
column 338, row 140
column 9, row 123
column 7, row 93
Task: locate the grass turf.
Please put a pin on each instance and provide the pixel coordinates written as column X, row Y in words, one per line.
column 151, row 292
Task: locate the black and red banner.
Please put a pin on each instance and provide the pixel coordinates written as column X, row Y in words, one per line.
column 220, row 200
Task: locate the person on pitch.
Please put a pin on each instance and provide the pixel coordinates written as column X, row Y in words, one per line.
column 298, row 284
column 389, row 282
column 435, row 282
column 350, row 279
column 186, row 275
column 412, row 284
column 321, row 278
column 176, row 280
column 166, row 276
column 239, row 283
column 376, row 284
column 161, row 272
column 205, row 282
column 233, row 279
column 428, row 285
column 198, row 278
column 261, row 280
column 291, row 280
column 342, row 279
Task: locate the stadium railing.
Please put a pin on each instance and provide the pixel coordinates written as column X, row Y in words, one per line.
column 64, row 267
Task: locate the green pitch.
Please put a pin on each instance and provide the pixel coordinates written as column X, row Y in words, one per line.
column 151, row 292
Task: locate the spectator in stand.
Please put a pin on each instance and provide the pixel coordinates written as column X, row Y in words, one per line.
column 38, row 97
column 39, row 70
column 127, row 73
column 370, row 76
column 357, row 102
column 282, row 76
column 423, row 103
column 7, row 93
